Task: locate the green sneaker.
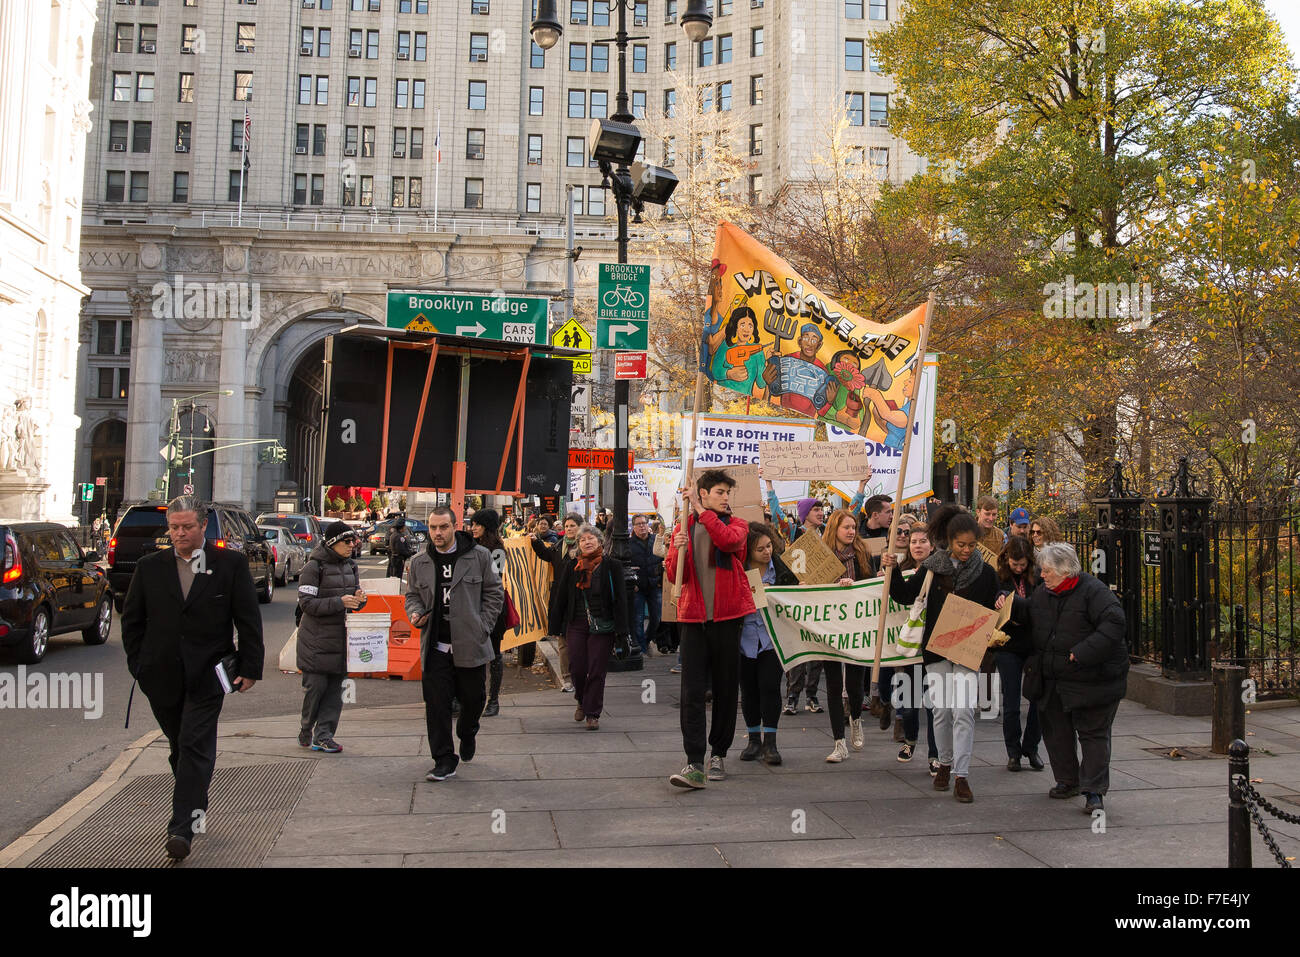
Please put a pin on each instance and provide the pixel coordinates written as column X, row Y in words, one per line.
column 691, row 776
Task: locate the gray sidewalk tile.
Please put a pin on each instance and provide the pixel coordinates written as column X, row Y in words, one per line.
column 675, row 856
column 976, row 850
column 691, row 821
column 348, row 834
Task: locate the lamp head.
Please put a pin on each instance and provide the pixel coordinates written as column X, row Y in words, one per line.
column 697, row 20
column 547, row 28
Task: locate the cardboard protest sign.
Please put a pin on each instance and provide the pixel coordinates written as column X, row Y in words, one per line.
column 756, row 586
column 833, row 623
column 963, row 631
column 746, row 500
column 727, row 441
column 811, row 561
column 527, row 580
column 990, row 556
column 814, row 460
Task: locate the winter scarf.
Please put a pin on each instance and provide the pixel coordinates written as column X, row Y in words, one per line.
column 962, row 573
column 847, row 556
column 1066, row 585
column 586, row 565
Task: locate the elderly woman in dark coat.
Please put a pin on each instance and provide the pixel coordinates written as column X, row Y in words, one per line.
column 1077, row 671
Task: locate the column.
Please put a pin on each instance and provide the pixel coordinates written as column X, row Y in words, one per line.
column 228, row 473
column 13, row 94
column 145, row 428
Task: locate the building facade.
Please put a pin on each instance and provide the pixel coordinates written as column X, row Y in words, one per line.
column 45, row 54
column 389, row 142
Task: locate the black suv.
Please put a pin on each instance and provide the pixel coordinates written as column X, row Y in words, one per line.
column 49, row 586
column 143, row 529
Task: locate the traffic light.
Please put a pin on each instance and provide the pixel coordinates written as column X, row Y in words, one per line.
column 273, row 455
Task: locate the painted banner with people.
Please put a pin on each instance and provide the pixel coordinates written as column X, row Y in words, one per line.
column 527, row 579
column 838, row 623
column 770, row 334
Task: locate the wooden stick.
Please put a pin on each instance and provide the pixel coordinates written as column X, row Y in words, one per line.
column 918, row 371
column 700, row 385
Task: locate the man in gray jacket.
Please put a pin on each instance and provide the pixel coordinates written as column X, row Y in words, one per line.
column 453, row 596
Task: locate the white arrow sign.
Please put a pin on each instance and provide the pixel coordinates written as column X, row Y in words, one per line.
column 475, row 330
column 618, row 329
column 165, row 451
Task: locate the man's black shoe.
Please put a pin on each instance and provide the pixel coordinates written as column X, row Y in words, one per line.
column 441, row 772
column 1035, row 761
column 1062, row 791
column 493, row 708
column 178, row 847
column 467, row 747
column 1093, row 802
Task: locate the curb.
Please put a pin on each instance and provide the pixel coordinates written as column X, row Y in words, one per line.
column 111, row 775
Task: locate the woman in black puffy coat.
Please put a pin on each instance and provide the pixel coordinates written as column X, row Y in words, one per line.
column 1017, row 576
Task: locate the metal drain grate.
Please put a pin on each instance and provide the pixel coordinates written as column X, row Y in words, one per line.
column 247, row 806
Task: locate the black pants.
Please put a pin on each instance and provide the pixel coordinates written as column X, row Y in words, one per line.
column 710, row 656
column 191, row 729
column 803, row 677
column 760, row 691
column 835, row 680
column 1091, row 727
column 443, row 681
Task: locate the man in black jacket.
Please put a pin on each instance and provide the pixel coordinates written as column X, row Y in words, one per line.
column 649, row 582
column 177, row 619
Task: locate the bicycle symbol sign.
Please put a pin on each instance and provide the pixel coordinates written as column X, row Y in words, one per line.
column 623, row 292
column 623, row 296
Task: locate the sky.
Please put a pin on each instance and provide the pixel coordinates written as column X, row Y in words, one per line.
column 1287, row 13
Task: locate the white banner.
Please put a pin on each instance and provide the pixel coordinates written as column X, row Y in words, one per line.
column 886, row 456
column 733, row 440
column 652, row 487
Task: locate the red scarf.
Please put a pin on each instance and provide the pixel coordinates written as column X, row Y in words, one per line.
column 1066, row 585
column 585, row 566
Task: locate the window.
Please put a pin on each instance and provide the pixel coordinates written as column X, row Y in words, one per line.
column 600, row 13
column 105, row 388
column 873, row 64
column 189, row 36
column 354, row 43
column 670, row 151
column 322, row 90
column 533, row 201
column 234, row 185
column 537, row 59
column 400, row 93
column 640, row 13
column 417, row 143
column 724, row 95
column 184, row 89
column 148, row 38
column 670, row 56
column 125, row 38
column 575, row 151
column 417, row 94
column 755, row 188
column 141, row 135
column 367, row 141
column 243, row 85
column 367, row 191
column 599, row 104
column 371, row 97
column 323, row 42
column 183, row 136
column 577, row 104
column 880, row 161
column 301, row 135
column 416, row 193
column 236, row 136
column 578, row 12
column 318, row 189
column 639, row 58
column 600, row 58
column 479, row 6
column 879, row 109
column 853, row 50
column 478, row 94
column 706, row 98
column 670, row 103
column 350, row 141
column 706, row 52
column 638, row 104
column 854, row 107
column 756, row 140
column 304, row 89
column 318, row 140
column 595, row 201
column 534, row 149
column 421, row 46
column 108, row 332
column 117, row 136
column 245, row 37
column 473, row 194
column 139, row 186
column 372, row 44
column 474, row 144
column 853, row 9
column 670, row 11
column 724, row 48
column 478, row 47
column 879, row 9
column 536, row 97
column 144, row 87
column 300, row 189
column 115, row 186
column 756, row 90
column 307, row 40
column 724, row 7
column 398, row 192
column 354, row 91
column 756, row 42
column 399, row 142
column 121, row 87
column 577, row 58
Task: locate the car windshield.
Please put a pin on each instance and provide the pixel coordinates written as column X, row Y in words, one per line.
column 152, row 523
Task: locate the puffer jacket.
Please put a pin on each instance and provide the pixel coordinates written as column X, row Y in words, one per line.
column 322, row 633
column 732, row 597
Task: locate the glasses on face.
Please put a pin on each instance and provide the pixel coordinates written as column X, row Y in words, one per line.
column 1037, row 533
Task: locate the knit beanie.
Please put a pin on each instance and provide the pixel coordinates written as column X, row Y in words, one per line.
column 803, row 507
column 488, row 518
column 335, row 531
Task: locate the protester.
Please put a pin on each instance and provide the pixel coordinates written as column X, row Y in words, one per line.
column 400, row 548
column 841, row 537
column 959, row 569
column 918, row 550
column 714, row 602
column 986, row 513
column 1017, row 576
column 483, row 527
column 880, row 695
column 328, row 588
column 877, row 516
column 1077, row 671
column 1019, row 523
column 649, row 581
column 589, row 607
column 544, row 530
column 760, row 669
column 806, row 676
column 555, row 554
column 177, row 618
column 453, row 596
column 1044, row 531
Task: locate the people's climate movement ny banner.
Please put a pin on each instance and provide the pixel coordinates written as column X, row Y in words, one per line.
column 770, row 334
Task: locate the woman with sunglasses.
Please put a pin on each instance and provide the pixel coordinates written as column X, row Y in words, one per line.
column 1044, row 531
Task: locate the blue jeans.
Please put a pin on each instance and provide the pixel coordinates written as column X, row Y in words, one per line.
column 641, row 601
column 1010, row 668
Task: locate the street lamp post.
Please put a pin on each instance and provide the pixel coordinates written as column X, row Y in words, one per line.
column 174, row 431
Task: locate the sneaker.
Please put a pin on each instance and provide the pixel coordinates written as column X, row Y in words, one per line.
column 691, row 776
column 467, row 749
column 855, row 733
column 1062, row 791
column 328, row 745
column 813, row 706
column 717, row 770
column 441, row 772
column 905, row 752
column 675, row 670
column 304, row 738
column 934, row 766
column 838, row 754
column 791, row 705
column 177, row 847
column 568, row 687
column 1093, row 802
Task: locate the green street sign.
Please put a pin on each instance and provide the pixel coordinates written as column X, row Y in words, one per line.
column 623, row 293
column 503, row 318
column 87, row 492
column 624, row 335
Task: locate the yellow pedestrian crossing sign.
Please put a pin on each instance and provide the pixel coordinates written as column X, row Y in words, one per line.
column 572, row 335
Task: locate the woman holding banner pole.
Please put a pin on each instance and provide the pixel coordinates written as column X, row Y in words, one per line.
column 918, row 550
column 841, row 537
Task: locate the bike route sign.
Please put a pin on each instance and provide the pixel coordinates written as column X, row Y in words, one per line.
column 623, row 307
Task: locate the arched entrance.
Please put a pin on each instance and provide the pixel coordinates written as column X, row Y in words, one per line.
column 108, row 459
column 302, row 421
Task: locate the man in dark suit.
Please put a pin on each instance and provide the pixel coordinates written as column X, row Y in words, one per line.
column 177, row 620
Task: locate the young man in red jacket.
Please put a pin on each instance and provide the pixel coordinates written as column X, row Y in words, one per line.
column 714, row 601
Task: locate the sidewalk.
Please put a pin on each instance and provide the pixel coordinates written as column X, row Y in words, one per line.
column 543, row 791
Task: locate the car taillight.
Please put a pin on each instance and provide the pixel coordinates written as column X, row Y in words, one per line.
column 275, row 556
column 303, row 536
column 13, row 562
column 219, row 543
column 4, row 630
column 112, row 552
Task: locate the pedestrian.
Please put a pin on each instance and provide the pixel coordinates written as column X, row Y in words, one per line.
column 589, row 607
column 1044, row 531
column 400, row 548
column 1017, row 576
column 649, row 581
column 877, row 516
column 760, row 669
column 878, row 693
column 177, row 618
column 841, row 537
column 1077, row 672
column 811, row 517
column 986, row 514
column 918, row 550
column 1019, row 523
column 328, row 588
column 714, row 602
column 959, row 569
column 544, row 531
column 555, row 554
column 453, row 595
column 483, row 527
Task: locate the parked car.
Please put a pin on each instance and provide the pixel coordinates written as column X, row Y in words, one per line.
column 142, row 529
column 287, row 553
column 49, row 586
column 377, row 538
column 306, row 528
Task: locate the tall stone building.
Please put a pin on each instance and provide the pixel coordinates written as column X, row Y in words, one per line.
column 45, row 54
column 391, row 143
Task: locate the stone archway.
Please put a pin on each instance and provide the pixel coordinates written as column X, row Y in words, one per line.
column 108, row 460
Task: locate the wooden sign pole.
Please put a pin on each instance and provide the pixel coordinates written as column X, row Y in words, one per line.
column 918, row 370
column 701, row 383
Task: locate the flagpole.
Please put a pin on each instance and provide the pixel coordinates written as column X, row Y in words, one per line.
column 700, row 386
column 437, row 164
column 243, row 163
column 919, row 369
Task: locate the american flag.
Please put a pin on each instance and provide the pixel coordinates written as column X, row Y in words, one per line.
column 248, row 135
column 437, row 145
